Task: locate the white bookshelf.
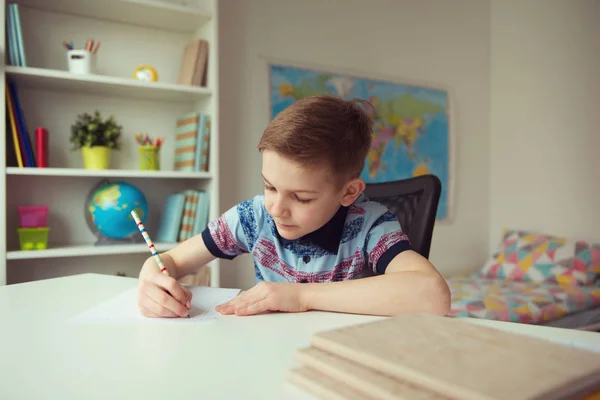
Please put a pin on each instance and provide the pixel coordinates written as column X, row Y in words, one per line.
column 132, row 33
column 63, row 81
column 85, row 251
column 155, row 14
column 111, row 173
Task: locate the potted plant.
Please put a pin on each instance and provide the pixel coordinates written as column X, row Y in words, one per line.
column 96, row 137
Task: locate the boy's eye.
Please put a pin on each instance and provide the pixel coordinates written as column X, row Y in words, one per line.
column 305, row 201
column 269, row 188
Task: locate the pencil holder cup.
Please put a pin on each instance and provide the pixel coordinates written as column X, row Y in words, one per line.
column 33, row 238
column 149, row 158
column 33, row 216
column 81, row 62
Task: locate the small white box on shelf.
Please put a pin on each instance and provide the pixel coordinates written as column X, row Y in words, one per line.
column 81, row 62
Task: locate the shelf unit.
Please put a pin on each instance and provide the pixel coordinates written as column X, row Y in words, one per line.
column 85, row 251
column 111, row 173
column 132, row 33
column 63, row 81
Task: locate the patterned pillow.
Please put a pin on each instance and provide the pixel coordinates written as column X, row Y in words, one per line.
column 529, row 256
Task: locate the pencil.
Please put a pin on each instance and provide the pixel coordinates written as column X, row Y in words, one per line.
column 151, row 246
column 95, row 50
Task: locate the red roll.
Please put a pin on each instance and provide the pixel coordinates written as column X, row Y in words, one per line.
column 41, row 147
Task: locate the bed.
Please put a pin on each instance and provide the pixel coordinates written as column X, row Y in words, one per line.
column 534, row 279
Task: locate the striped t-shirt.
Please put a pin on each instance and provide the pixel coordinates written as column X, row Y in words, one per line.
column 359, row 241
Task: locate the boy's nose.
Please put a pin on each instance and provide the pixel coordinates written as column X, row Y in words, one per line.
column 278, row 209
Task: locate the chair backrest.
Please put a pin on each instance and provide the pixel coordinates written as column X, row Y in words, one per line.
column 415, row 202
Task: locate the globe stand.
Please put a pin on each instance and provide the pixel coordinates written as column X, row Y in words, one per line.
column 105, row 240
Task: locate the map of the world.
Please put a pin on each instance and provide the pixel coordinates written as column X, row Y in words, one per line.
column 411, row 130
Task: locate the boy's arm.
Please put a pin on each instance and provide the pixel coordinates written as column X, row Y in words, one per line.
column 160, row 295
column 404, row 282
column 410, row 284
column 187, row 257
column 224, row 237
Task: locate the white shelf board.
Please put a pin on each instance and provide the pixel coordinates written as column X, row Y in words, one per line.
column 110, row 173
column 154, row 14
column 64, row 81
column 86, row 251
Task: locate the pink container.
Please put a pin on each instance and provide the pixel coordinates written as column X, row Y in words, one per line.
column 33, row 216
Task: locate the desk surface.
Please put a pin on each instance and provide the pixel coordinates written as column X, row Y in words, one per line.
column 234, row 358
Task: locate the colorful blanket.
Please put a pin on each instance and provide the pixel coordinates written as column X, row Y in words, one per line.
column 524, row 302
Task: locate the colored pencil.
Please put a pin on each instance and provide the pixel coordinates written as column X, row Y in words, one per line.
column 143, row 139
column 96, row 48
column 151, row 246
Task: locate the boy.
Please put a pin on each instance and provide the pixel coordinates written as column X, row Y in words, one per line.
column 312, row 234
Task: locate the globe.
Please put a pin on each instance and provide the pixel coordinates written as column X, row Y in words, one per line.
column 108, row 210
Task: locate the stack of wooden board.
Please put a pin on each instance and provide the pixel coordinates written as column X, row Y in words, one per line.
column 419, row 356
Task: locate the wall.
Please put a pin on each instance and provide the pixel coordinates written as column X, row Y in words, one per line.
column 430, row 41
column 545, row 114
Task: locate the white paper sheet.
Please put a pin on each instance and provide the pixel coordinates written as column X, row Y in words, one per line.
column 123, row 308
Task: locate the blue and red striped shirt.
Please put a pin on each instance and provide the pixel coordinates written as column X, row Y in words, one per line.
column 359, row 241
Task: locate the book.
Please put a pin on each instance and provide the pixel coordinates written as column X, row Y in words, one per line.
column 11, row 149
column 186, row 140
column 14, row 36
column 14, row 138
column 189, row 214
column 192, row 142
column 16, row 115
column 204, row 139
column 203, row 146
column 19, row 34
column 170, row 221
column 448, row 357
column 185, row 214
column 193, row 68
column 201, row 70
column 202, row 212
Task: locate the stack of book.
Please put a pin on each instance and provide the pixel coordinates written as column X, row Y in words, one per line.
column 420, row 356
column 185, row 214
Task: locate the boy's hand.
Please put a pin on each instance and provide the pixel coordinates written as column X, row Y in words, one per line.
column 266, row 296
column 160, row 295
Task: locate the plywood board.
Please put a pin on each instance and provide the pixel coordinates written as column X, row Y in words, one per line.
column 321, row 386
column 372, row 384
column 463, row 360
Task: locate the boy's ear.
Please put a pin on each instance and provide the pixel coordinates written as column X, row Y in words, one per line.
column 352, row 190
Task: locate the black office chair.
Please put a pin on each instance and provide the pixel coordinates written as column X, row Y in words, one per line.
column 415, row 203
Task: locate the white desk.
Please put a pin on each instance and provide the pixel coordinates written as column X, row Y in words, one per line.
column 234, row 358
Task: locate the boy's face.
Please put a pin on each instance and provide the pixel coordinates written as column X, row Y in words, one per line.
column 301, row 200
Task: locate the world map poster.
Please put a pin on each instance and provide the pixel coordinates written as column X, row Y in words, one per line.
column 411, row 134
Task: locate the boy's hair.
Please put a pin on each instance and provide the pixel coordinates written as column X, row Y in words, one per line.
column 320, row 131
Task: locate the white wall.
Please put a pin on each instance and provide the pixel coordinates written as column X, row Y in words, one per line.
column 432, row 41
column 545, row 117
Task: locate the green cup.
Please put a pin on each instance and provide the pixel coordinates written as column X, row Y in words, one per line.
column 149, row 158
